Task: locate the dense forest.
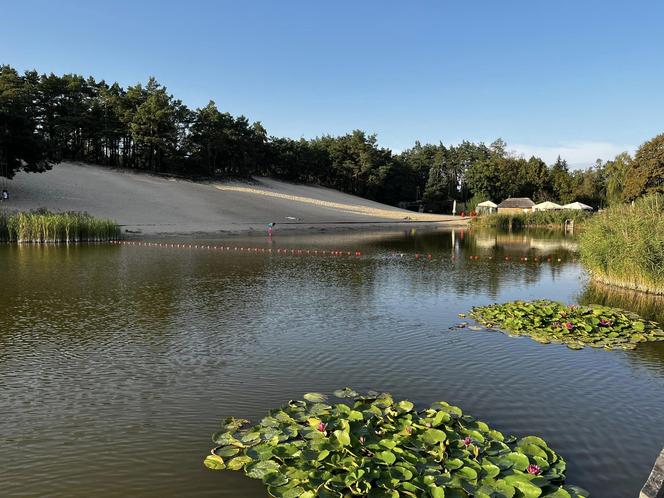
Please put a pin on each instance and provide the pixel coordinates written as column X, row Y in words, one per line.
column 45, row 119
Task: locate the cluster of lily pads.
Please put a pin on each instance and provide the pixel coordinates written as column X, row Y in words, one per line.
column 575, row 326
column 370, row 445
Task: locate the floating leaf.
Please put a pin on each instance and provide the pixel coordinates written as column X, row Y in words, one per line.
column 433, row 436
column 375, row 446
column 386, row 456
column 315, row 397
column 575, row 326
column 214, row 462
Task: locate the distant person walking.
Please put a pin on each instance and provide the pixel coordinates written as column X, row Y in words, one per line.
column 270, row 227
column 5, row 194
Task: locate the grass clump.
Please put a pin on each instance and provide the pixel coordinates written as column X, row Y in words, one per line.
column 553, row 218
column 377, row 447
column 624, row 245
column 575, row 326
column 42, row 226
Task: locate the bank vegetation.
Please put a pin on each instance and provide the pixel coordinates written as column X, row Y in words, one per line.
column 511, row 221
column 624, row 245
column 43, row 226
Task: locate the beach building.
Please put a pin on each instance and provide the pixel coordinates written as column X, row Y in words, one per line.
column 515, row 205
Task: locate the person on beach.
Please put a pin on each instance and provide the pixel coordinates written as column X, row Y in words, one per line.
column 5, row 194
column 269, row 229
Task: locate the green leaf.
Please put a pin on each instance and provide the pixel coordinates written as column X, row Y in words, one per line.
column 558, row 493
column 343, row 437
column 436, row 492
column 433, row 436
column 214, row 462
column 238, row 462
column 259, row 470
column 226, row 451
column 523, row 484
column 355, row 416
column 386, row 457
column 405, row 406
column 315, row 397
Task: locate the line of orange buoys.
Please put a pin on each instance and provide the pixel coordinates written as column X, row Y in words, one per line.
column 325, row 252
column 243, row 249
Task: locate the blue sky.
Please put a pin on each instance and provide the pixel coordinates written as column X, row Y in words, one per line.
column 583, row 78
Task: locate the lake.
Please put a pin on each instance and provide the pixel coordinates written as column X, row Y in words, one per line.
column 117, row 362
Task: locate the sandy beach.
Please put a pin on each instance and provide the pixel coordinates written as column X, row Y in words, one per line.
column 149, row 205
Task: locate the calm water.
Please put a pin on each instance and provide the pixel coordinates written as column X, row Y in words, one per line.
column 117, row 362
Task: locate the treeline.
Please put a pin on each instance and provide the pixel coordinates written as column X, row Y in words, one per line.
column 48, row 118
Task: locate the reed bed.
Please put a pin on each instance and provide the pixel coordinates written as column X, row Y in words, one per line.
column 553, row 218
column 624, row 245
column 42, row 226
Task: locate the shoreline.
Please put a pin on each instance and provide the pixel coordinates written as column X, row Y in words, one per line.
column 146, row 205
column 624, row 286
column 290, row 229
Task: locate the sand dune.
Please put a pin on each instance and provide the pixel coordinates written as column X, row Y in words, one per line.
column 159, row 205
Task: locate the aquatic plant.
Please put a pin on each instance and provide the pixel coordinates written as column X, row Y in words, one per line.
column 42, row 226
column 374, row 446
column 648, row 306
column 576, row 326
column 553, row 218
column 624, row 245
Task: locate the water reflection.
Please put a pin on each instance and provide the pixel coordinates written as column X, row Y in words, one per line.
column 649, row 306
column 117, row 362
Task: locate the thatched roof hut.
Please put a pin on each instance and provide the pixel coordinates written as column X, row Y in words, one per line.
column 515, row 205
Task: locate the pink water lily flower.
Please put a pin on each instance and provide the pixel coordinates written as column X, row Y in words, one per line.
column 409, row 429
column 605, row 323
column 534, row 470
column 467, row 441
column 322, row 427
column 569, row 325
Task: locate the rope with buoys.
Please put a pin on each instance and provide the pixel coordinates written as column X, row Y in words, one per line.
column 338, row 253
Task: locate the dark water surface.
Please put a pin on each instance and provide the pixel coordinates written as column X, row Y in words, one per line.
column 117, row 362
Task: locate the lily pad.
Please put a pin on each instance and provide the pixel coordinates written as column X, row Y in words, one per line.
column 575, row 326
column 375, row 446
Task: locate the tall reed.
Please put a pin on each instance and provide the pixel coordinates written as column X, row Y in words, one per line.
column 552, row 218
column 624, row 245
column 42, row 226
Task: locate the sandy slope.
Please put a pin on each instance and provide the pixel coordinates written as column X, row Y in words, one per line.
column 158, row 205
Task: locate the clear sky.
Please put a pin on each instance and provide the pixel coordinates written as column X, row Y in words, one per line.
column 584, row 78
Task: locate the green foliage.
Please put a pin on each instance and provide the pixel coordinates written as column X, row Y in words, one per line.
column 617, row 172
column 20, row 146
column 552, row 218
column 646, row 175
column 501, row 176
column 624, row 245
column 377, row 447
column 42, row 226
column 223, row 145
column 50, row 118
column 576, row 326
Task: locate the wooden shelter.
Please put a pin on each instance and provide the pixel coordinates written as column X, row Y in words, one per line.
column 515, row 205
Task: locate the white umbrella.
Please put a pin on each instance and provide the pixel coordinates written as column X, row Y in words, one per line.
column 546, row 206
column 487, row 204
column 578, row 205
